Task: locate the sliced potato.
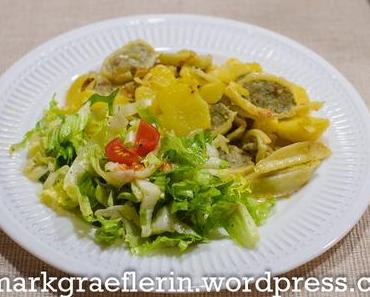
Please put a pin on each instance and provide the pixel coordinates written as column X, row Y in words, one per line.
column 212, row 92
column 188, row 76
column 176, row 104
column 159, row 77
column 181, row 109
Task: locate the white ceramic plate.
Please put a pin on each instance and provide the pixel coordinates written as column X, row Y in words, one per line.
column 300, row 229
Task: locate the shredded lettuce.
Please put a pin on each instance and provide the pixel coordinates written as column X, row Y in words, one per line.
column 174, row 199
column 64, row 140
column 189, row 150
column 110, row 231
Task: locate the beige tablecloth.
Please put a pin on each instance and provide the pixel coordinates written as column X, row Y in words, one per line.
column 338, row 30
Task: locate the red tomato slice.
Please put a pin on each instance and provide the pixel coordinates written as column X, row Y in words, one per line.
column 115, row 151
column 147, row 138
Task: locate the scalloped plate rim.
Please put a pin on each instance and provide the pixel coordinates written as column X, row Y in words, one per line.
column 38, row 249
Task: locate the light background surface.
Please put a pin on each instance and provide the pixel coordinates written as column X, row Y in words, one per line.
column 338, row 30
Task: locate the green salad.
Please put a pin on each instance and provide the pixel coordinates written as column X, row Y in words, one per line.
column 177, row 193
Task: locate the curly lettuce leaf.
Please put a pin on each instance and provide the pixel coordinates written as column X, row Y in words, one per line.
column 110, row 231
column 189, row 150
column 161, row 242
column 54, row 141
column 64, row 141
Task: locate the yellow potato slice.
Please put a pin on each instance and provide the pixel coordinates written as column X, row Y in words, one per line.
column 182, row 109
column 212, row 92
column 178, row 105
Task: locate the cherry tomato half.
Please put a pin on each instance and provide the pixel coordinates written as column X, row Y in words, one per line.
column 116, row 151
column 147, row 138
